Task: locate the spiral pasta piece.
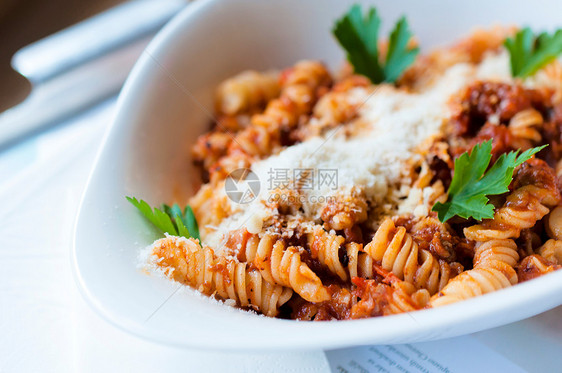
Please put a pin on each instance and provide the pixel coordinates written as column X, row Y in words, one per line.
column 346, row 210
column 399, row 254
column 510, row 219
column 554, row 223
column 391, row 296
column 246, row 91
column 187, row 262
column 282, row 265
column 551, row 250
column 524, row 126
column 534, row 266
column 241, row 244
column 499, row 254
column 335, row 107
column 493, row 270
column 404, row 297
column 472, row 283
column 325, row 247
column 210, row 147
column 277, row 264
column 360, row 264
column 523, row 207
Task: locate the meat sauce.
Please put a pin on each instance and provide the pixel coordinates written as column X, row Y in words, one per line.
column 534, row 266
column 483, row 100
column 484, row 109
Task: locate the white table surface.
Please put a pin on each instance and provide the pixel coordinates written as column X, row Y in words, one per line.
column 46, row 326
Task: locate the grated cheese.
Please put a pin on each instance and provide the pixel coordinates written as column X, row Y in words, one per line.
column 372, row 153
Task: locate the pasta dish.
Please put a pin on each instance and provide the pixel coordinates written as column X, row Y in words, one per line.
column 405, row 180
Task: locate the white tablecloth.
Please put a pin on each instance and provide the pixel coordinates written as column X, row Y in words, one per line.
column 46, row 326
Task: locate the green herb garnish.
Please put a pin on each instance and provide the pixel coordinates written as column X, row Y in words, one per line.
column 471, row 184
column 171, row 220
column 528, row 53
column 358, row 35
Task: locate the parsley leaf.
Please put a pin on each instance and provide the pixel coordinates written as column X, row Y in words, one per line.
column 184, row 220
column 471, row 184
column 358, row 35
column 528, row 53
column 171, row 220
column 399, row 56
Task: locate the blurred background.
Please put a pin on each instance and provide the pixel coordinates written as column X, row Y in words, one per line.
column 23, row 22
column 61, row 57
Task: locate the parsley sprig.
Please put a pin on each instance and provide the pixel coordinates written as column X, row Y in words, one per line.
column 358, row 35
column 472, row 184
column 528, row 53
column 169, row 219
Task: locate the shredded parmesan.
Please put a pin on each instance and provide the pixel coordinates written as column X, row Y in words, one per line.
column 373, row 151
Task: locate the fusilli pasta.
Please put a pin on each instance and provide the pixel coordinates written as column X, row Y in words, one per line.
column 523, row 208
column 534, row 266
column 246, row 91
column 326, row 247
column 524, row 126
column 282, row 265
column 210, row 274
column 345, row 211
column 493, row 270
column 399, row 254
column 551, row 250
column 277, row 263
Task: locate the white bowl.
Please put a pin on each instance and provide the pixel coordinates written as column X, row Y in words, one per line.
column 167, row 102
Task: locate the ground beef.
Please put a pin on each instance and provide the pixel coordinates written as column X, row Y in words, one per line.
column 481, row 101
